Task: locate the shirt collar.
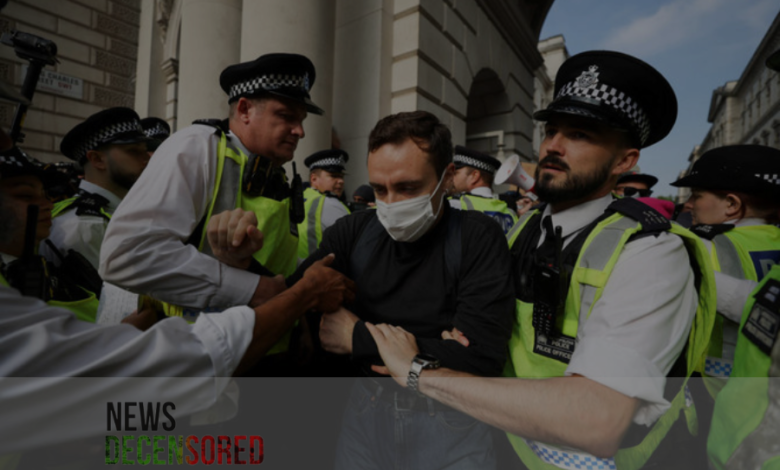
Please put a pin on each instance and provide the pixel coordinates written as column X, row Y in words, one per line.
column 576, row 218
column 237, row 142
column 482, row 191
column 113, row 199
column 747, row 222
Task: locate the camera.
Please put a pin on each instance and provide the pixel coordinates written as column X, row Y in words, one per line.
column 31, row 47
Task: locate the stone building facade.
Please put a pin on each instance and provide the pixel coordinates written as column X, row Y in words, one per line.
column 470, row 62
column 473, row 63
column 97, row 44
column 747, row 110
column 554, row 54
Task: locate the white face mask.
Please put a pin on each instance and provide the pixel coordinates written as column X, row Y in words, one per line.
column 407, row 221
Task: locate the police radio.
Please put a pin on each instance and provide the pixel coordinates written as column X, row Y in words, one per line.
column 29, row 274
column 547, row 288
column 79, row 269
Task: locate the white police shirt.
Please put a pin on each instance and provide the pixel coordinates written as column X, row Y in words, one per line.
column 639, row 326
column 82, row 233
column 144, row 249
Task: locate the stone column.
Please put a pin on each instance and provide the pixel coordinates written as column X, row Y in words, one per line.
column 303, row 27
column 150, row 96
column 362, row 78
column 210, row 41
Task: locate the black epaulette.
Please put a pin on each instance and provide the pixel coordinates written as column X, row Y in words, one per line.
column 91, row 204
column 708, row 232
column 221, row 125
column 652, row 221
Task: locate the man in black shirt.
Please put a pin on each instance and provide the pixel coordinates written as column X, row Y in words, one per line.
column 422, row 266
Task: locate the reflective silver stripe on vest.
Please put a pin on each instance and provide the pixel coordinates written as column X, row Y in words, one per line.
column 311, row 226
column 467, row 201
column 728, row 257
column 519, row 224
column 229, row 187
column 569, row 459
column 597, row 255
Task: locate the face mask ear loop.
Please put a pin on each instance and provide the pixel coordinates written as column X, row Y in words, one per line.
column 444, row 194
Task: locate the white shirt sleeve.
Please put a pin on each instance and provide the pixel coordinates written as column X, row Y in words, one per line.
column 184, row 364
column 639, row 326
column 332, row 210
column 83, row 234
column 733, row 294
column 144, row 247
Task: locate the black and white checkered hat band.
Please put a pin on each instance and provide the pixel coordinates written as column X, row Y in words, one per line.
column 12, row 160
column 157, row 131
column 325, row 162
column 616, row 99
column 773, row 178
column 104, row 135
column 474, row 163
column 268, row 83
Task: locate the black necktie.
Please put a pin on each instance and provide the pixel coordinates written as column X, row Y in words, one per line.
column 546, row 253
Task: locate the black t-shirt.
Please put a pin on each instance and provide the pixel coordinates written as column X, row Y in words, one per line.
column 407, row 285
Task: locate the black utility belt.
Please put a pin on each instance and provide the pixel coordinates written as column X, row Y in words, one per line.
column 402, row 398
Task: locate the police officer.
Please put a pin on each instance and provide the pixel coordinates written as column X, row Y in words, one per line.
column 734, row 203
column 157, row 241
column 23, row 184
column 606, row 300
column 157, row 130
column 322, row 207
column 474, row 173
column 111, row 147
column 635, row 184
column 744, row 425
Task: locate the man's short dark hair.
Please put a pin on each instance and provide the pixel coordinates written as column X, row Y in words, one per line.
column 423, row 128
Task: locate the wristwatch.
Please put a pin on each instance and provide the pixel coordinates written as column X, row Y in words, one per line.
column 420, row 362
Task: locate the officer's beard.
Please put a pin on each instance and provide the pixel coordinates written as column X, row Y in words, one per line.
column 120, row 177
column 574, row 188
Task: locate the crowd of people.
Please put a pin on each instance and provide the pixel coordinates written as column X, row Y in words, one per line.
column 591, row 323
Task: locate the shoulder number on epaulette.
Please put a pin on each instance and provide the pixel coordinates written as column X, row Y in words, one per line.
column 651, row 219
column 708, row 232
column 91, row 205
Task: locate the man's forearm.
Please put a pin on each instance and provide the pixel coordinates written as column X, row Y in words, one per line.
column 572, row 411
column 273, row 319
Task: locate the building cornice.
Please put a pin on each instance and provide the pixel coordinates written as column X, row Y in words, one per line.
column 760, row 52
column 520, row 24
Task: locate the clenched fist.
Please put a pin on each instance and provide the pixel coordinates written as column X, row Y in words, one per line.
column 234, row 237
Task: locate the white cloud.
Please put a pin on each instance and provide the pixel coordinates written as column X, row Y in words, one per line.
column 673, row 24
column 755, row 15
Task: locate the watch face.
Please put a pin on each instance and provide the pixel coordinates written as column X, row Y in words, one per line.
column 426, row 358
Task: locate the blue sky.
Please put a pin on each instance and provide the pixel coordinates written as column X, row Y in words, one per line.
column 698, row 45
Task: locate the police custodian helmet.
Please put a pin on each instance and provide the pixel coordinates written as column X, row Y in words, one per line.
column 289, row 76
column 617, row 89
